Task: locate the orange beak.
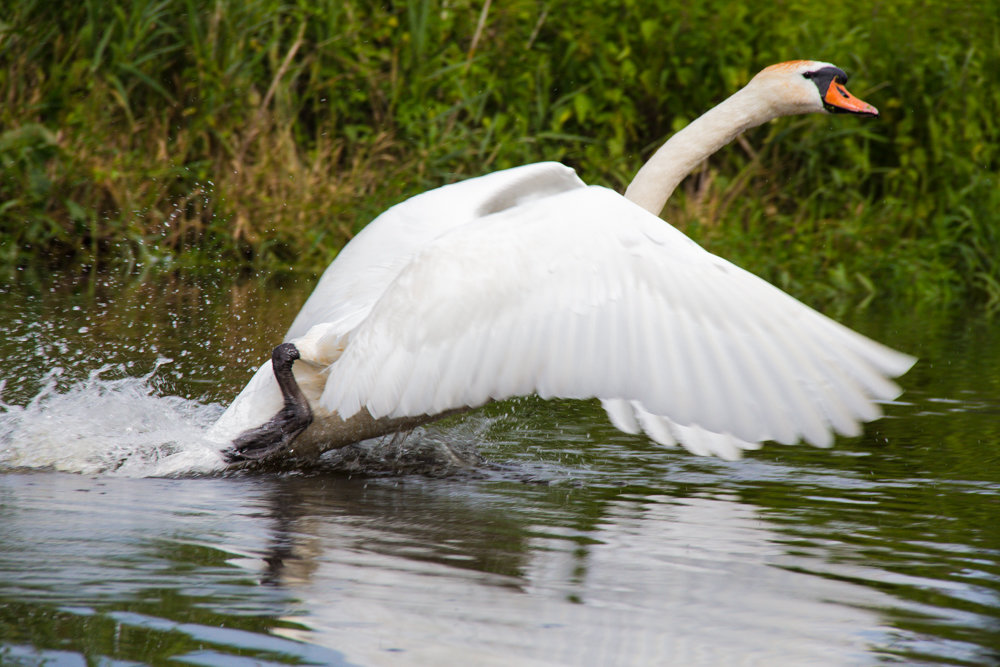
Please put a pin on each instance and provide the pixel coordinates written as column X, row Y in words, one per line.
column 839, row 100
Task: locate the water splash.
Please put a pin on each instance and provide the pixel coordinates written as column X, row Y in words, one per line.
column 108, row 423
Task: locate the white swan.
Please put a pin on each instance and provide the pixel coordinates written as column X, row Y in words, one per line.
column 528, row 281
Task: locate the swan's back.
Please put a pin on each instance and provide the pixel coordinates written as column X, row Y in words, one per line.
column 372, row 260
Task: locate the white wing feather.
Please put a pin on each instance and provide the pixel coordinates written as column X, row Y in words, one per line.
column 583, row 294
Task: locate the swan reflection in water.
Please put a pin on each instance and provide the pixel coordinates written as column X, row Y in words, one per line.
column 637, row 580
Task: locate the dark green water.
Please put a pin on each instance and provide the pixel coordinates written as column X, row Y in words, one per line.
column 557, row 541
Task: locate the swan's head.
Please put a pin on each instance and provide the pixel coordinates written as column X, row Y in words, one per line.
column 807, row 86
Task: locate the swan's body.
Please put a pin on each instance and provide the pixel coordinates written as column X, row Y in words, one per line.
column 529, row 281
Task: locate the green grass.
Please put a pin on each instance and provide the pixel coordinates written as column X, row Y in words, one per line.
column 266, row 133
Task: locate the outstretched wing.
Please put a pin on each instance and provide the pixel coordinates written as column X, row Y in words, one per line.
column 584, row 294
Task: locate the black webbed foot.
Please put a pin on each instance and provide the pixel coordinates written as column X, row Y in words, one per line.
column 274, row 436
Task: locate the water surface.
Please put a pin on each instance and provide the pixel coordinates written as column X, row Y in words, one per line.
column 527, row 533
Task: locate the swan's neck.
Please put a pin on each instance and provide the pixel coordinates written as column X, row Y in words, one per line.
column 658, row 178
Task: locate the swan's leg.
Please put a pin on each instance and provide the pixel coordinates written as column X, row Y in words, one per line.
column 275, row 435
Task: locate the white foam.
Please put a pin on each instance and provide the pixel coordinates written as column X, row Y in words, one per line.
column 120, row 426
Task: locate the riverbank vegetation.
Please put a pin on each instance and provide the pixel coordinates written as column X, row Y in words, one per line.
column 265, row 133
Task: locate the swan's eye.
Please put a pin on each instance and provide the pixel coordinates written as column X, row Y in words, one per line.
column 808, row 75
